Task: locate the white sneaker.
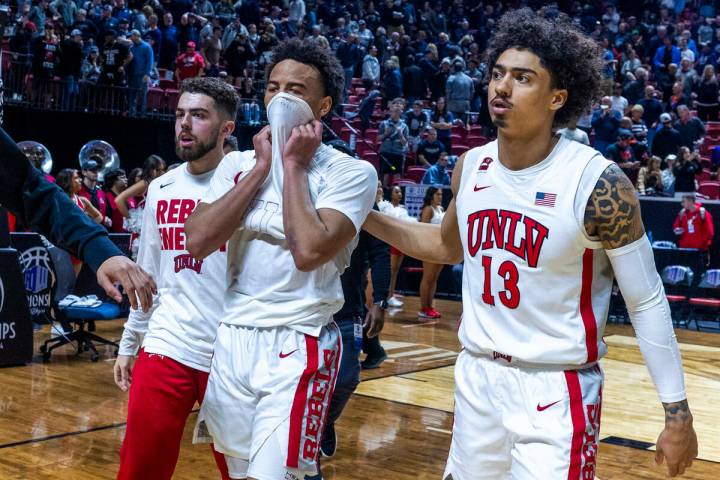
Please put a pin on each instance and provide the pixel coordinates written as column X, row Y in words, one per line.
column 395, row 302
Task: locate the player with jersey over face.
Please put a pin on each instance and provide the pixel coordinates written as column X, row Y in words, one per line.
column 277, row 349
column 174, row 340
column 543, row 224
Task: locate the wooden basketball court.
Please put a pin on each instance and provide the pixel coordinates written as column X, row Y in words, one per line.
column 65, row 419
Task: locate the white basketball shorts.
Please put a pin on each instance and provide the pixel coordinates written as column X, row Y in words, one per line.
column 267, row 398
column 521, row 423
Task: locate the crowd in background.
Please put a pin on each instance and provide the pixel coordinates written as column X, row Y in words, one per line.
column 426, row 60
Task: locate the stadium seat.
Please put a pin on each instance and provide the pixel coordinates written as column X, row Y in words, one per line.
column 706, row 304
column 373, row 158
column 156, row 100
column 371, row 135
column 710, row 190
column 458, row 149
column 415, row 173
column 678, row 280
column 172, row 99
column 403, row 182
column 704, row 176
column 166, row 84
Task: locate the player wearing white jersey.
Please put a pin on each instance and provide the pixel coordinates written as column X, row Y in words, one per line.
column 277, row 348
column 543, row 224
column 174, row 340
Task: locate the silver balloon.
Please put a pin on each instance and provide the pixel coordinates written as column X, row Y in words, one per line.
column 103, row 153
column 38, row 154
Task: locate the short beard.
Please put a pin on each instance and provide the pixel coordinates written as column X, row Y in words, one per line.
column 499, row 122
column 199, row 150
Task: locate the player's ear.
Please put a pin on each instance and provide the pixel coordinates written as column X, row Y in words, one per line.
column 228, row 128
column 325, row 106
column 559, row 97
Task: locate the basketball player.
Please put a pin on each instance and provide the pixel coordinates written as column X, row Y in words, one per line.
column 543, row 224
column 277, row 348
column 177, row 335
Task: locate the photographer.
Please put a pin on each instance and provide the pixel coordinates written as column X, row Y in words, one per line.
column 685, row 169
column 606, row 123
column 393, row 135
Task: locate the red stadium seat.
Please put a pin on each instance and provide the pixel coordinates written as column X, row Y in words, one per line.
column 710, row 190
column 373, row 158
column 415, row 174
column 704, row 176
column 458, row 149
column 172, row 98
column 371, row 135
column 166, row 84
column 156, row 100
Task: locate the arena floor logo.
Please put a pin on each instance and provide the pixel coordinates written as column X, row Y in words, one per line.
column 39, row 278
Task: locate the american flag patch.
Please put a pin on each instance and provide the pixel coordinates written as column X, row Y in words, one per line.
column 545, row 199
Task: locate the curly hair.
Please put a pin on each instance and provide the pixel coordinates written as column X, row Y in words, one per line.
column 225, row 96
column 322, row 59
column 572, row 58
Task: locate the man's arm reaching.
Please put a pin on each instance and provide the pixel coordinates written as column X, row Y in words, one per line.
column 212, row 224
column 424, row 241
column 613, row 215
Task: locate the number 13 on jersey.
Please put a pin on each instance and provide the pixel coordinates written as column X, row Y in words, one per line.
column 510, row 295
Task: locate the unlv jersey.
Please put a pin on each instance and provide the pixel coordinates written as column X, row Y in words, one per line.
column 186, row 312
column 536, row 288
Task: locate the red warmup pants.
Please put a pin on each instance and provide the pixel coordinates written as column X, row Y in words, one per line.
column 162, row 395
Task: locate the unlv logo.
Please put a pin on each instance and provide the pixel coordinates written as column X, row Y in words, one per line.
column 186, row 261
column 485, row 164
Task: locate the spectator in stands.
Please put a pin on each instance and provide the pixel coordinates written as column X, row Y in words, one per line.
column 350, row 55
column 39, row 15
column 371, row 66
column 211, row 50
column 414, row 81
column 635, row 85
column 631, row 64
column 678, row 97
column 639, row 129
column 237, row 57
column 392, row 80
column 619, row 103
column 666, row 81
column 153, row 36
column 691, row 129
column 608, row 71
column 115, row 182
column 667, row 140
column 687, row 76
column 365, row 36
column 571, row 132
column 90, row 189
column 168, row 42
column 432, row 212
column 649, row 181
column 69, row 65
column 416, row 120
column 438, row 81
column 668, row 178
column 430, row 148
column 442, row 121
column 687, row 166
column 652, row 109
column 621, row 152
column 64, row 11
column 114, row 57
column 69, row 181
column 91, row 68
column 189, row 64
column 139, row 70
column 393, row 136
column 694, row 225
column 666, row 54
column 44, row 55
column 395, row 209
column 606, row 123
column 437, row 174
column 707, row 57
column 459, row 91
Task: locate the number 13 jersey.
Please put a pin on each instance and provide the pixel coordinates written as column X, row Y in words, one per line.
column 535, row 286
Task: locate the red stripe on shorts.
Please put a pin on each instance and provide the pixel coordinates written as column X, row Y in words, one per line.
column 333, row 377
column 586, row 310
column 297, row 413
column 578, row 421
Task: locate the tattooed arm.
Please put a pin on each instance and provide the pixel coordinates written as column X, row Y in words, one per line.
column 613, row 215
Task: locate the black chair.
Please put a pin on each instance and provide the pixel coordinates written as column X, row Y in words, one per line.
column 705, row 304
column 80, row 316
column 678, row 280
